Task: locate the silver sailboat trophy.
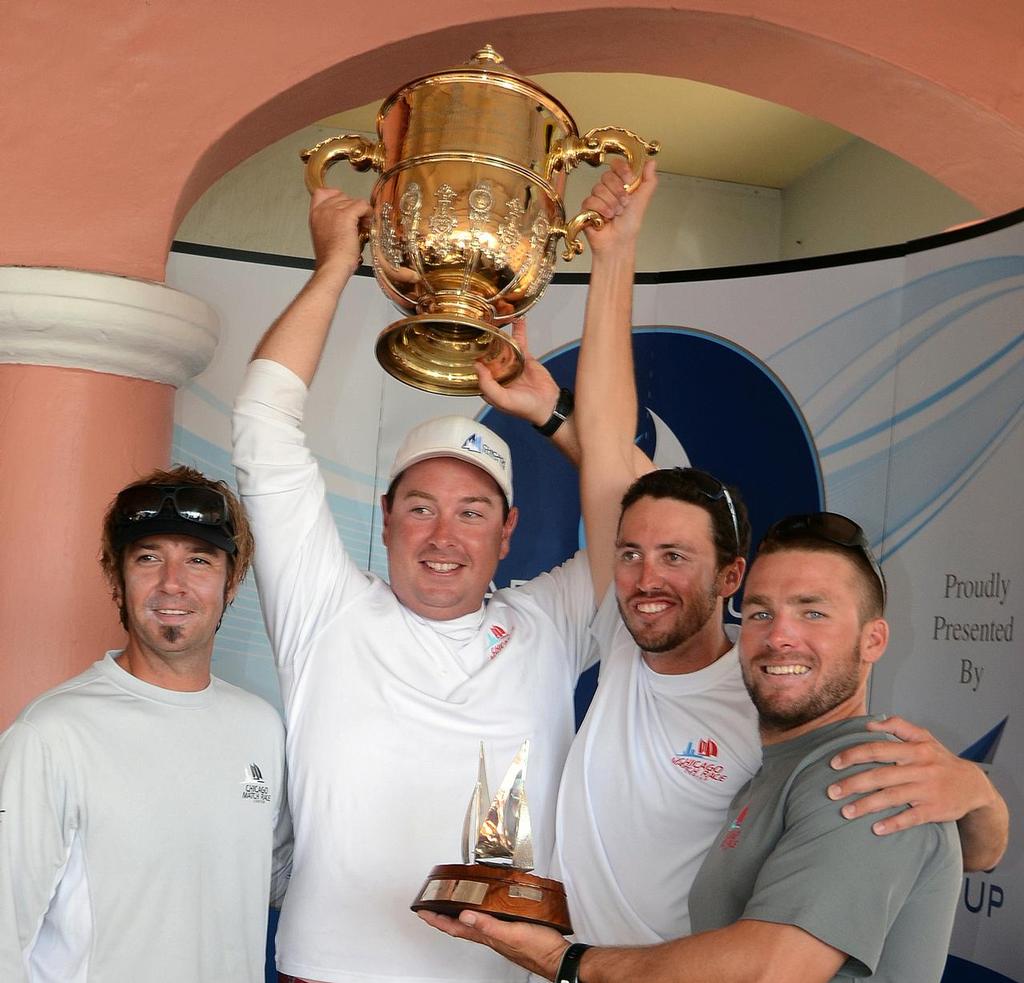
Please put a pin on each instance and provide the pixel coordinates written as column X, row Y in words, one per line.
column 497, row 857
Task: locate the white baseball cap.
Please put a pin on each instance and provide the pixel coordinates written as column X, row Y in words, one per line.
column 461, row 438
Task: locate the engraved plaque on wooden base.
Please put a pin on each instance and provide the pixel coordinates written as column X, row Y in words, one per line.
column 506, row 893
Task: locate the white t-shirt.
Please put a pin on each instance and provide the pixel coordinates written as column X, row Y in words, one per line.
column 136, row 832
column 646, row 788
column 386, row 712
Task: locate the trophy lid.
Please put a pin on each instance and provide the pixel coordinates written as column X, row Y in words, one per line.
column 486, row 67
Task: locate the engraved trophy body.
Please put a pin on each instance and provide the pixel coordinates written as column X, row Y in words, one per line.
column 467, row 213
column 497, row 857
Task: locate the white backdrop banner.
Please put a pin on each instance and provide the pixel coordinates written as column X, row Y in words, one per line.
column 890, row 389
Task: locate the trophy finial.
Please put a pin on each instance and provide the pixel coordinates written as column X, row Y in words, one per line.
column 488, row 54
column 478, row 801
column 503, row 836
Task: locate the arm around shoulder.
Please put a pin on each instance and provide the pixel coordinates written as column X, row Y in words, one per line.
column 933, row 784
column 985, row 829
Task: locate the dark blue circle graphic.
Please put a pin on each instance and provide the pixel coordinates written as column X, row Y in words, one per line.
column 963, row 971
column 726, row 409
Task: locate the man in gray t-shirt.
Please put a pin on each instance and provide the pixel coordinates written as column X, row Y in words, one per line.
column 786, row 856
column 790, row 886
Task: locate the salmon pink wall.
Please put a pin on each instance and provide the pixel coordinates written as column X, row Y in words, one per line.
column 119, row 114
column 70, row 439
column 89, row 365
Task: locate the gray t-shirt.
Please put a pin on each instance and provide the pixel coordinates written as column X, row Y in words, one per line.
column 787, row 855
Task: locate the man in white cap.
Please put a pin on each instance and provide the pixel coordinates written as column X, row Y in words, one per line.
column 389, row 688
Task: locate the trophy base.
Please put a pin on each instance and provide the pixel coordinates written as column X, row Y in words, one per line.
column 435, row 352
column 509, row 894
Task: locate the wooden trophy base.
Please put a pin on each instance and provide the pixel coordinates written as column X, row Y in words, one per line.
column 506, row 893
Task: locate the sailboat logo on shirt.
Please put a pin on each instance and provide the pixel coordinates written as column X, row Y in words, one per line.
column 497, row 639
column 699, row 761
column 253, row 785
column 732, row 834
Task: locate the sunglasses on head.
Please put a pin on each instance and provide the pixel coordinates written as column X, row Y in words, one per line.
column 831, row 527
column 710, row 487
column 194, row 503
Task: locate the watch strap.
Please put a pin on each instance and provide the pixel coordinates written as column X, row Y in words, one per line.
column 569, row 967
column 562, row 411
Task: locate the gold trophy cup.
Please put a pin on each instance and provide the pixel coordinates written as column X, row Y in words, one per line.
column 467, row 212
column 496, row 837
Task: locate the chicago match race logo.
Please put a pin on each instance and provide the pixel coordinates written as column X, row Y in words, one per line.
column 254, row 787
column 699, row 761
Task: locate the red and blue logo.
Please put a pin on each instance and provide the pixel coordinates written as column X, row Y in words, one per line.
column 497, row 639
column 732, row 835
column 700, row 761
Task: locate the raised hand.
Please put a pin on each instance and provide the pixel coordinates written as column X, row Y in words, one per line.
column 532, row 395
column 623, row 213
column 335, row 223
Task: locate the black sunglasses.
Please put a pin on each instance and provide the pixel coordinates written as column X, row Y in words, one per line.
column 831, row 527
column 194, row 503
column 710, row 487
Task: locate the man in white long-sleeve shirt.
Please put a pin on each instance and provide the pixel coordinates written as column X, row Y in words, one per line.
column 390, row 687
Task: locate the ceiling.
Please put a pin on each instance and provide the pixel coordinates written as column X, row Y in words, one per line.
column 705, row 131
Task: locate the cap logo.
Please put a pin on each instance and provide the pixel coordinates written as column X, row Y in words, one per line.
column 475, row 443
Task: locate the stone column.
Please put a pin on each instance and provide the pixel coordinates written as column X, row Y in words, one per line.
column 89, row 364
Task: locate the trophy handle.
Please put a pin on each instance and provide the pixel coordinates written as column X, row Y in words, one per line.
column 357, row 150
column 591, row 148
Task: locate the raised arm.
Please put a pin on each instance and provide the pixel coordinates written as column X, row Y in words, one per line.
column 296, row 339
column 605, row 413
column 935, row 784
column 606, row 402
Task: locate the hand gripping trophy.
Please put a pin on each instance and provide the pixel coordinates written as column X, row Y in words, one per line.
column 467, row 213
column 497, row 856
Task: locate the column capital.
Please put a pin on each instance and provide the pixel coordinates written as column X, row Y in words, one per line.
column 105, row 323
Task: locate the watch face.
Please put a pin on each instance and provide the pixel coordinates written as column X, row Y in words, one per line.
column 703, row 401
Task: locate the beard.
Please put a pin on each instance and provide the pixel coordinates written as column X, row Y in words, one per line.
column 692, row 614
column 171, row 633
column 839, row 686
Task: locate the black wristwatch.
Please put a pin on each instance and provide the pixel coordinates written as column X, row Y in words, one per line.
column 561, row 413
column 569, row 967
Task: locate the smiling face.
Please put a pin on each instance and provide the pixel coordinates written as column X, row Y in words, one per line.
column 174, row 597
column 445, row 534
column 805, row 648
column 668, row 585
